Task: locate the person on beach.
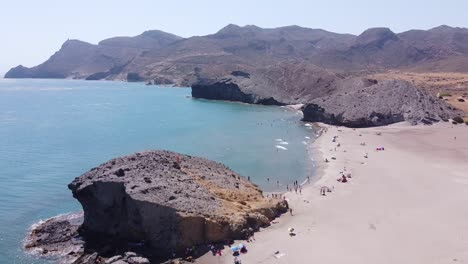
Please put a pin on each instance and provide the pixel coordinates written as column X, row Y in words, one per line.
column 290, row 211
column 343, row 179
column 323, row 190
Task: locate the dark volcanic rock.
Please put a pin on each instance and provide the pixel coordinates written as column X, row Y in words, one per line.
column 377, row 104
column 57, row 237
column 229, row 90
column 169, row 201
column 278, row 84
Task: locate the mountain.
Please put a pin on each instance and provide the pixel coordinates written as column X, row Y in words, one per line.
column 78, row 59
column 164, row 58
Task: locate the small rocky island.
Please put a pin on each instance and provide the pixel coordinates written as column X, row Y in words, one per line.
column 157, row 204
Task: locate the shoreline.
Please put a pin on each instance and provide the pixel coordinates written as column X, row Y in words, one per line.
column 393, row 194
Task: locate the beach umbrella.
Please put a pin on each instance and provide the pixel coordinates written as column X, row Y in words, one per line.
column 234, row 248
column 291, row 230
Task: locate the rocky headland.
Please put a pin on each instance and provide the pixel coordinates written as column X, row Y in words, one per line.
column 157, row 204
column 330, row 97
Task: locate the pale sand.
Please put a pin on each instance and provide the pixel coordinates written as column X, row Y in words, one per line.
column 407, row 204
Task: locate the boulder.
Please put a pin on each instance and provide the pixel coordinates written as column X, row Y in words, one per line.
column 138, row 260
column 458, row 120
column 169, row 201
column 113, row 259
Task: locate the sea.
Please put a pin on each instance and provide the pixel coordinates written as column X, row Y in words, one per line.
column 52, row 131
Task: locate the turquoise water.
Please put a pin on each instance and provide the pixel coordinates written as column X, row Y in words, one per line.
column 54, row 130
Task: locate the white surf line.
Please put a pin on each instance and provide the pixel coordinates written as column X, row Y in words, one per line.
column 281, row 147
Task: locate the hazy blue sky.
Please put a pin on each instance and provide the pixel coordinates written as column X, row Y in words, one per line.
column 32, row 30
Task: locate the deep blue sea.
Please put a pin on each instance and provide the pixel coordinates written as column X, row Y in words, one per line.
column 52, row 131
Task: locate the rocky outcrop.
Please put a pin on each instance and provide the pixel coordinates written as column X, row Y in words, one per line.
column 228, row 89
column 375, row 103
column 278, row 84
column 168, row 202
column 330, row 97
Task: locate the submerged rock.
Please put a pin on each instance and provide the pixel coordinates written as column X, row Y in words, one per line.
column 167, row 202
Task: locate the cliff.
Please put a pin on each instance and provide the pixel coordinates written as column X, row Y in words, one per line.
column 278, row 84
column 169, row 202
column 330, row 97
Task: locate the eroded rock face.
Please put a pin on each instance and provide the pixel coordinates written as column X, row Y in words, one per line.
column 377, row 104
column 278, row 84
column 169, row 201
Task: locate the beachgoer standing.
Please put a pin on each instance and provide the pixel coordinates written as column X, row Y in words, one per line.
column 290, row 211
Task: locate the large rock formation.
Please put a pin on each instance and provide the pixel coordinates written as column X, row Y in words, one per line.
column 278, row 84
column 169, row 202
column 368, row 103
column 162, row 57
column 329, row 97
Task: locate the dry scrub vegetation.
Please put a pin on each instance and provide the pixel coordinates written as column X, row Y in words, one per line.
column 450, row 85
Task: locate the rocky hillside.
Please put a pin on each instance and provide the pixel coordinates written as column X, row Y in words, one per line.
column 329, row 97
column 378, row 103
column 278, row 84
column 161, row 57
column 169, row 201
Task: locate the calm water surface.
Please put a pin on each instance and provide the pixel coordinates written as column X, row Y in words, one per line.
column 54, row 130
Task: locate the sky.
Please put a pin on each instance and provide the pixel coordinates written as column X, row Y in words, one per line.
column 32, row 30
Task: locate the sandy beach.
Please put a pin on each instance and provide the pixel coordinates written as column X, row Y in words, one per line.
column 405, row 204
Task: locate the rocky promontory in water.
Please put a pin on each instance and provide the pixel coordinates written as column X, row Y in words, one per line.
column 332, row 98
column 157, row 204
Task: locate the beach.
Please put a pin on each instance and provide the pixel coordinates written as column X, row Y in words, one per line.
column 403, row 204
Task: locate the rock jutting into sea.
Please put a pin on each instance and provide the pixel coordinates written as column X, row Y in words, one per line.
column 328, row 97
column 158, row 204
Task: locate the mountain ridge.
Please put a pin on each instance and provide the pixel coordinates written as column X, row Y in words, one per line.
column 160, row 57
